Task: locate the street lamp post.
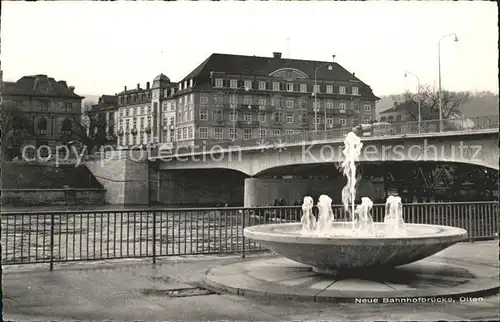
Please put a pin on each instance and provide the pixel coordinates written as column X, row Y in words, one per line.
column 315, row 93
column 439, row 78
column 234, row 108
column 418, row 94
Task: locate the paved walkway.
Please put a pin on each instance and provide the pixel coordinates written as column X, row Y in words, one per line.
column 137, row 290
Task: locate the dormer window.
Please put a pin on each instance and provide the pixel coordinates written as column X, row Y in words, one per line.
column 180, row 86
column 185, row 84
column 342, row 89
column 218, row 82
column 191, row 83
column 329, row 89
column 316, row 88
column 233, row 83
column 248, row 84
column 289, row 87
column 355, row 91
column 303, row 88
column 262, row 86
column 276, row 86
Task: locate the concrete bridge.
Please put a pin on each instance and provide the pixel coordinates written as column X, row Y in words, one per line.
column 473, row 147
column 256, row 172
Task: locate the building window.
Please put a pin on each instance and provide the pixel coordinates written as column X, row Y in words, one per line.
column 276, row 117
column 190, row 132
column 218, row 99
column 217, row 115
column 303, row 88
column 289, row 132
column 247, row 134
column 367, row 119
column 329, row 104
column 262, row 86
column 262, row 133
column 233, row 83
column 203, row 99
column 316, row 105
column 233, row 100
column 276, row 86
column 184, row 133
column 276, row 132
column 247, row 117
column 355, row 91
column 368, row 107
column 179, row 134
column 233, row 134
column 262, row 102
column 262, row 117
column 343, row 121
column 247, row 100
column 342, row 89
column 203, row 115
column 218, row 134
column 248, row 84
column 329, row 89
column 302, row 102
column 342, row 106
column 233, row 116
column 329, row 121
column 289, row 118
column 289, row 87
column 316, row 88
column 289, row 103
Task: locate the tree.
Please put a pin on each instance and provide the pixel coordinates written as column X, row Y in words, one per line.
column 16, row 128
column 89, row 129
column 429, row 102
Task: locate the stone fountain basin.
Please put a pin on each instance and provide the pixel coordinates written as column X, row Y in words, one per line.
column 343, row 252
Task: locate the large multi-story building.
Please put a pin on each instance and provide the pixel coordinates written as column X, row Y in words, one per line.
column 139, row 116
column 243, row 97
column 51, row 105
column 232, row 97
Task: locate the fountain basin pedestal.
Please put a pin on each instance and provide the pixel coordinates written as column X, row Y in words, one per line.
column 344, row 251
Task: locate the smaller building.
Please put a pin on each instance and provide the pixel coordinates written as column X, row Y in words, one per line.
column 105, row 111
column 407, row 112
column 52, row 107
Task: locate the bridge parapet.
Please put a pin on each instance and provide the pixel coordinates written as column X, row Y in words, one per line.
column 458, row 126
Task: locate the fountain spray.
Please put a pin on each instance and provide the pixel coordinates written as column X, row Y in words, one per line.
column 352, row 150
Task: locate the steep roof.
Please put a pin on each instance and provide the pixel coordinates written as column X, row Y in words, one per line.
column 263, row 66
column 39, row 85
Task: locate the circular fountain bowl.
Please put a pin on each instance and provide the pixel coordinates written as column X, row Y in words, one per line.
column 342, row 252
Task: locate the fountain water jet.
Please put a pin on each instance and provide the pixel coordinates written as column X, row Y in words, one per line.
column 352, row 150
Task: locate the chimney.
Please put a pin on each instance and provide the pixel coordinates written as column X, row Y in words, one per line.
column 147, row 85
column 353, row 74
column 71, row 89
column 138, row 86
column 125, row 88
column 277, row 55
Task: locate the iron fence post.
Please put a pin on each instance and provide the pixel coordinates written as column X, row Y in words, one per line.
column 51, row 241
column 469, row 224
column 154, row 237
column 243, row 233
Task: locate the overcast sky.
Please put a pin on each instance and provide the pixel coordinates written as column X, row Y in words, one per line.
column 99, row 47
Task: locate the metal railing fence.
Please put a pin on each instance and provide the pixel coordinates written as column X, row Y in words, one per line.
column 62, row 236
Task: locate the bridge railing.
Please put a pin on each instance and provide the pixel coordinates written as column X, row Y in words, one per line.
column 339, row 134
column 60, row 236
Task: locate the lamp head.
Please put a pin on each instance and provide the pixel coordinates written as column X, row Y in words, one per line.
column 456, row 38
